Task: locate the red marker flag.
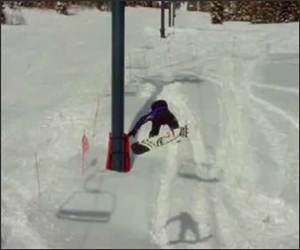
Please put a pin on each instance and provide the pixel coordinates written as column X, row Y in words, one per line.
column 85, row 147
column 84, row 144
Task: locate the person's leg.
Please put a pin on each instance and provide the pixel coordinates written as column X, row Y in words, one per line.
column 196, row 232
column 173, row 124
column 155, row 129
column 171, row 120
column 182, row 234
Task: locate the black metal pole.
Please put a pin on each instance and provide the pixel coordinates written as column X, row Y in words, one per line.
column 174, row 13
column 118, row 44
column 162, row 28
column 170, row 13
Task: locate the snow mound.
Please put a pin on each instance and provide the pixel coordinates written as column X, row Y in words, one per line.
column 14, row 17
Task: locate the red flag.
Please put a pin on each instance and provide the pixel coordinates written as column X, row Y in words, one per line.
column 85, row 148
column 84, row 144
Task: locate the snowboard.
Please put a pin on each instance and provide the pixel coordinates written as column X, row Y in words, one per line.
column 147, row 144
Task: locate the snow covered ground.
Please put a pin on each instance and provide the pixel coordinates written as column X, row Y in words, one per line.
column 233, row 184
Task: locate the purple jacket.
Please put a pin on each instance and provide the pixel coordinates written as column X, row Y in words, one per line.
column 159, row 116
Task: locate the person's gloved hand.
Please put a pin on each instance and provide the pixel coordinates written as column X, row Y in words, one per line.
column 132, row 133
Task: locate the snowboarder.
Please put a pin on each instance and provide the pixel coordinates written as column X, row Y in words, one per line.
column 187, row 223
column 159, row 115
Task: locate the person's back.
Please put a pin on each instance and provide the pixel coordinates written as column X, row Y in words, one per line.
column 159, row 115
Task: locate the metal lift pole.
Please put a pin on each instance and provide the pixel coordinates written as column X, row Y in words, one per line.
column 170, row 13
column 118, row 44
column 174, row 12
column 162, row 28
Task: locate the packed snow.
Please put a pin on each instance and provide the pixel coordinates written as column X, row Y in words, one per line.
column 234, row 183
